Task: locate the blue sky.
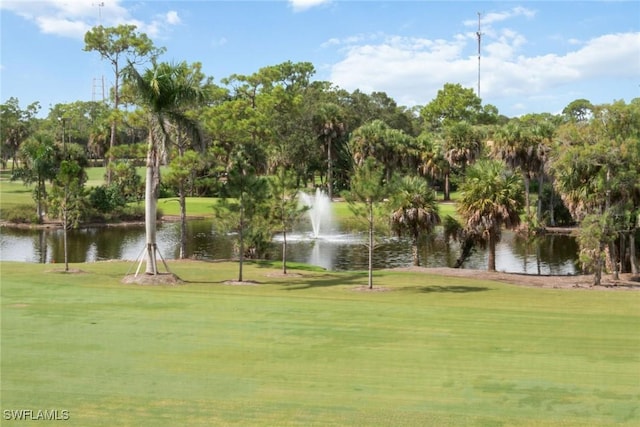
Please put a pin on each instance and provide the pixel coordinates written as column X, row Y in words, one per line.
column 536, row 56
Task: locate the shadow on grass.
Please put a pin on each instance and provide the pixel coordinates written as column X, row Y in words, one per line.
column 206, row 282
column 454, row 289
column 277, row 265
column 323, row 281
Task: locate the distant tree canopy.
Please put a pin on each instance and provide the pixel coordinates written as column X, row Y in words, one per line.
column 583, row 161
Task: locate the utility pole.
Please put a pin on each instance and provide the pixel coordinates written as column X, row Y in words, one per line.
column 479, row 35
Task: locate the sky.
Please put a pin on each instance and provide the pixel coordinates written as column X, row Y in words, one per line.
column 535, row 57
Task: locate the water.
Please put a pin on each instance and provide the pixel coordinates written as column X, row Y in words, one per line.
column 554, row 254
column 320, row 213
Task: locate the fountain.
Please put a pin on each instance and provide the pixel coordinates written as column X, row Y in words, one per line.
column 320, row 213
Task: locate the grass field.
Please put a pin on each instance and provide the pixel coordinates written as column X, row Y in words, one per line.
column 13, row 193
column 311, row 350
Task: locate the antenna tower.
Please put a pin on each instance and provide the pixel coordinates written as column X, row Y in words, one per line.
column 98, row 82
column 100, row 6
column 479, row 35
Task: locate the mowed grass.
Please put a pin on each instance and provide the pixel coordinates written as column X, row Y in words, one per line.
column 13, row 193
column 309, row 349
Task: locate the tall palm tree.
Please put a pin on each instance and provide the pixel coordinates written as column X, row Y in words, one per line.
column 162, row 92
column 330, row 125
column 414, row 210
column 525, row 149
column 491, row 198
column 391, row 147
column 462, row 146
column 368, row 141
column 39, row 157
column 543, row 133
column 432, row 161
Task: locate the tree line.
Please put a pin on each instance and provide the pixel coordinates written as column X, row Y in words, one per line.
column 255, row 140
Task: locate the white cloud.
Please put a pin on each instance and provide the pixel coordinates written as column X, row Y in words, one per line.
column 219, row 42
column 493, row 17
column 302, row 5
column 61, row 26
column 72, row 18
column 411, row 70
column 173, row 18
column 353, row 40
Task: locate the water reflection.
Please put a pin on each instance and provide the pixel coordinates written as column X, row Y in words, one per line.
column 551, row 254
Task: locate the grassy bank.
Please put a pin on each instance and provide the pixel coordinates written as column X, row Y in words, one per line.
column 14, row 193
column 311, row 350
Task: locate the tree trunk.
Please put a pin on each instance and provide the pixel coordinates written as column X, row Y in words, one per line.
column 527, row 201
column 116, row 102
column 415, row 252
column 539, row 204
column 492, row 252
column 447, row 196
column 597, row 275
column 622, row 253
column 183, row 221
column 329, row 169
column 150, row 211
column 416, row 256
column 370, row 245
column 613, row 259
column 110, row 158
column 632, row 252
column 40, row 195
column 552, row 216
column 284, row 250
column 241, row 236
column 64, row 232
column 42, row 246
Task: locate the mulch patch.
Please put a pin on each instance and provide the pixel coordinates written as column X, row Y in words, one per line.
column 152, row 279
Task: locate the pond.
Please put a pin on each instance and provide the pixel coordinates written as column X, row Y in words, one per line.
column 550, row 255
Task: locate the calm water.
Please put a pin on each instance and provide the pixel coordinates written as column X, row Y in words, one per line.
column 553, row 254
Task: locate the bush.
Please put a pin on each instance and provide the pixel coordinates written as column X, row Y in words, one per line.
column 131, row 213
column 165, row 192
column 127, row 181
column 106, row 198
column 21, row 214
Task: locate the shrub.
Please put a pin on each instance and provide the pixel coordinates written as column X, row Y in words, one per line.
column 21, row 214
column 106, row 198
column 127, row 180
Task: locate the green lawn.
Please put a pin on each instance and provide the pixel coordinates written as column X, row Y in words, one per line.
column 310, row 350
column 14, row 193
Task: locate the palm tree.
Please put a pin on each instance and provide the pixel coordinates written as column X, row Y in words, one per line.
column 491, row 198
column 432, row 161
column 462, row 146
column 391, row 147
column 414, row 210
column 39, row 156
column 524, row 148
column 330, row 124
column 368, row 141
column 162, row 92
